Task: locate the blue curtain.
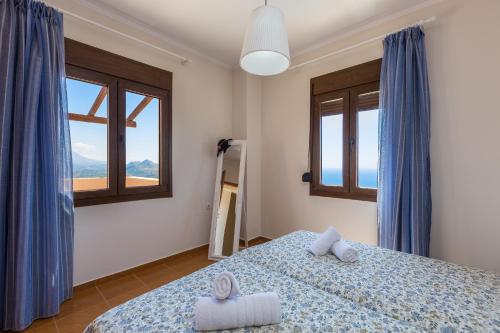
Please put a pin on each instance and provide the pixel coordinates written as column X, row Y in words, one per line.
column 36, row 203
column 404, row 196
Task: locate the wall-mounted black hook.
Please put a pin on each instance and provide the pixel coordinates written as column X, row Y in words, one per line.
column 307, row 177
column 223, row 145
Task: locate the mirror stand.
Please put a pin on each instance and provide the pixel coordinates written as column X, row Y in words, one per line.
column 228, row 210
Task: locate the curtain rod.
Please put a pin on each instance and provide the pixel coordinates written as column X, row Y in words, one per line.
column 368, row 41
column 183, row 59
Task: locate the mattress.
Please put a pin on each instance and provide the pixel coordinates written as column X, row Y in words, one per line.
column 304, row 308
column 384, row 291
column 433, row 294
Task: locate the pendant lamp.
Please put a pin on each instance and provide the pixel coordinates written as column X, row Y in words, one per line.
column 265, row 49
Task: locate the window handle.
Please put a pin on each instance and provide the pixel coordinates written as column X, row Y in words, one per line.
column 352, row 144
column 120, row 138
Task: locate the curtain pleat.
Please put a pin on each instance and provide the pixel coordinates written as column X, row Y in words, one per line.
column 404, row 195
column 36, row 202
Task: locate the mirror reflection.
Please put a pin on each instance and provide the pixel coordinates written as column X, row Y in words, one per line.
column 226, row 217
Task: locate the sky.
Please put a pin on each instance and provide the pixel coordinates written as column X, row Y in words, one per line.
column 331, row 140
column 90, row 140
column 368, row 139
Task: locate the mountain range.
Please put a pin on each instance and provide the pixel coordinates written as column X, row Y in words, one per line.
column 84, row 167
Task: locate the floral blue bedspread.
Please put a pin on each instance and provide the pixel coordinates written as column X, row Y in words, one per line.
column 385, row 291
column 304, row 308
column 433, row 294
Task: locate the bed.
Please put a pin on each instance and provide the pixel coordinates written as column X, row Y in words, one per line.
column 384, row 291
column 433, row 294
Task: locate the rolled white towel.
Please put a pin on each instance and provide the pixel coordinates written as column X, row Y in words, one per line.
column 244, row 311
column 323, row 243
column 344, row 251
column 225, row 286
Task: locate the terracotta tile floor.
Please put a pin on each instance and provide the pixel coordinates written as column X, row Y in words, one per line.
column 90, row 302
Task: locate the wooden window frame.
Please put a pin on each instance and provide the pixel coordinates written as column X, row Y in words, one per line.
column 123, row 87
column 120, row 74
column 86, row 75
column 317, row 187
column 348, row 84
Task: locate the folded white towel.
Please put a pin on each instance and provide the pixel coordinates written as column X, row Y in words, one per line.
column 245, row 311
column 344, row 251
column 323, row 243
column 225, row 286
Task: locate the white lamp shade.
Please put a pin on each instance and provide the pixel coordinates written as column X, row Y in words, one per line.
column 265, row 49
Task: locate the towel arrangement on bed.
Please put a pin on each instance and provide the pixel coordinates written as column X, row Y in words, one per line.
column 227, row 310
column 330, row 240
column 225, row 286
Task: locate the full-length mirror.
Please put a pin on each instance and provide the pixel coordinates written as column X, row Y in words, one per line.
column 228, row 201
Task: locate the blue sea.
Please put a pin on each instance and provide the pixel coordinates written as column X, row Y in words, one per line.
column 367, row 178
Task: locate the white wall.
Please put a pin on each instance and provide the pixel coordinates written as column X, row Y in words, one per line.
column 115, row 237
column 464, row 66
column 286, row 203
column 254, row 163
column 210, row 102
column 463, row 57
column 247, row 124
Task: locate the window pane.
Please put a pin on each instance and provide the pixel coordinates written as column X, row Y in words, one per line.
column 368, row 141
column 143, row 140
column 88, row 113
column 332, row 121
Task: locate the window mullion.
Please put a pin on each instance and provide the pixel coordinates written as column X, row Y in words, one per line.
column 352, row 143
column 120, row 145
column 113, row 137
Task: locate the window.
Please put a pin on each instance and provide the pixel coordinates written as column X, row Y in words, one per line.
column 344, row 133
column 120, row 125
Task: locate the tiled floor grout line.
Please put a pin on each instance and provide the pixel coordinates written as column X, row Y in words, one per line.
column 170, row 268
column 138, row 278
column 55, row 324
column 103, row 297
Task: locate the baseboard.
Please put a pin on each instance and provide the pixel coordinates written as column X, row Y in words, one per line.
column 92, row 283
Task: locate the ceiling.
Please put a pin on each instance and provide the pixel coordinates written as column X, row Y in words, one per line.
column 216, row 28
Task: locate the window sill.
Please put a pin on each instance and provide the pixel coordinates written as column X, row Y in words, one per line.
column 121, row 198
column 351, row 196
